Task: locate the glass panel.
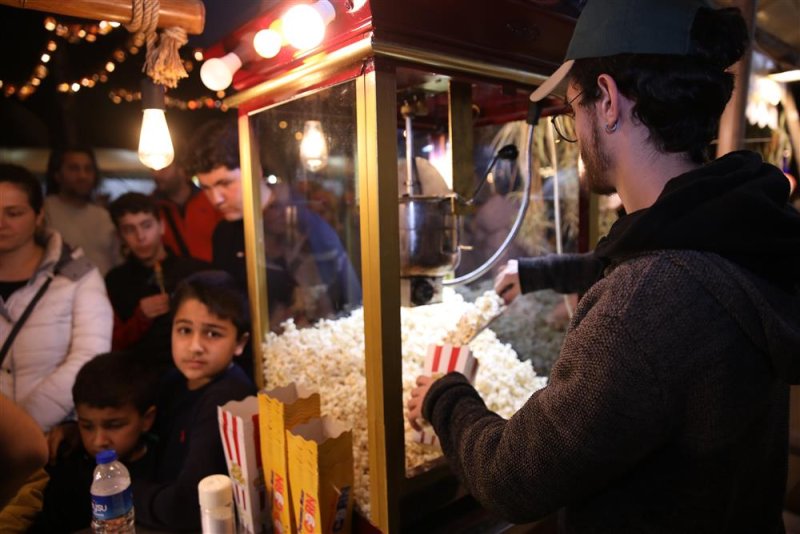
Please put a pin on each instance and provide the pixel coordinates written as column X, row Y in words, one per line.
column 307, row 149
column 518, row 348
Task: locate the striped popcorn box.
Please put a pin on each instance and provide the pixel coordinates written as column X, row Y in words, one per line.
column 440, row 360
column 239, row 430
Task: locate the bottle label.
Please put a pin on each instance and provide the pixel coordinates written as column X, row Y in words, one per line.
column 111, row 506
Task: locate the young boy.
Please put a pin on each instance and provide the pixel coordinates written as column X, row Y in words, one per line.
column 115, row 404
column 209, row 329
column 139, row 288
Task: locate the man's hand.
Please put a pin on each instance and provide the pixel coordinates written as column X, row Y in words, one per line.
column 506, row 283
column 417, row 399
column 66, row 433
column 154, row 305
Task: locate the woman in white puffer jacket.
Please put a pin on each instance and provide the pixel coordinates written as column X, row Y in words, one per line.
column 69, row 325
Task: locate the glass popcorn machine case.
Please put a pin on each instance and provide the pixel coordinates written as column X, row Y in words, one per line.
column 387, row 171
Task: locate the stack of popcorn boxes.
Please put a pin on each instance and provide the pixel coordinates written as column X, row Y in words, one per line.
column 307, row 463
column 440, row 360
column 281, row 409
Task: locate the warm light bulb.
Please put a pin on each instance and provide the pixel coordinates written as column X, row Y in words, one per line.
column 313, row 147
column 217, row 73
column 155, row 144
column 304, row 24
column 267, row 43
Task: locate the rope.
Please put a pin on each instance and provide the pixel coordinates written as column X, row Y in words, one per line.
column 163, row 61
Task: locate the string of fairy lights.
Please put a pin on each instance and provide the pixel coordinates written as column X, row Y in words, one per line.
column 75, row 33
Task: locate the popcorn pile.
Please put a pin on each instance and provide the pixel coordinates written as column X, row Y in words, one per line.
column 330, row 357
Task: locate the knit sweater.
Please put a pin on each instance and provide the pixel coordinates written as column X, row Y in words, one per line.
column 667, row 410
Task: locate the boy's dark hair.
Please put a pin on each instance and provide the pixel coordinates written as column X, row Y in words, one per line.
column 132, row 203
column 115, row 379
column 679, row 98
column 57, row 160
column 218, row 291
column 24, row 180
column 215, row 144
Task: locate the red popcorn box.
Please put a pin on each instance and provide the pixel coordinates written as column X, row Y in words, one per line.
column 239, row 430
column 440, row 360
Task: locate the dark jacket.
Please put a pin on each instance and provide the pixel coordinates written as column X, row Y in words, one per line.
column 667, row 410
column 190, row 449
column 314, row 259
column 67, row 505
column 129, row 283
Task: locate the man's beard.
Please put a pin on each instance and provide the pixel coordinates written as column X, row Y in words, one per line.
column 596, row 162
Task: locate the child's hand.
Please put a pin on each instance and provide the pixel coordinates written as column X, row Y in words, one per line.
column 154, row 305
column 64, row 436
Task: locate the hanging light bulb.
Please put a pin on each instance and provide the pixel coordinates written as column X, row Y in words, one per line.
column 304, row 24
column 155, row 144
column 313, row 147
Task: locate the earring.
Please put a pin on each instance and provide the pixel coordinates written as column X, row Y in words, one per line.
column 613, row 127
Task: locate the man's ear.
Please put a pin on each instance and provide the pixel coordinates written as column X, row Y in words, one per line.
column 241, row 343
column 609, row 105
column 148, row 418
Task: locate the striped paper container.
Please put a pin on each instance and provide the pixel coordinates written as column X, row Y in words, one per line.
column 440, row 360
column 238, row 427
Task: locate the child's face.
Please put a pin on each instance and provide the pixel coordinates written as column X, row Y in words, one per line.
column 117, row 428
column 142, row 232
column 203, row 344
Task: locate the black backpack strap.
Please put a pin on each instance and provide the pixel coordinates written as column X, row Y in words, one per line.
column 178, row 237
column 24, row 317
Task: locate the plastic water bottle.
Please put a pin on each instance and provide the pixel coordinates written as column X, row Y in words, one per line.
column 112, row 500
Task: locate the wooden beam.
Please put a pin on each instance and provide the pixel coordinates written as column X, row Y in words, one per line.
column 187, row 14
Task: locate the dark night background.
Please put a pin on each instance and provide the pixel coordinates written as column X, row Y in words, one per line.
column 49, row 118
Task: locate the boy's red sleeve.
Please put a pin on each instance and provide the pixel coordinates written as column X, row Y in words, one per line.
column 127, row 333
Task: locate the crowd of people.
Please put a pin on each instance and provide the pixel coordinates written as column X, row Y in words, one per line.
column 121, row 324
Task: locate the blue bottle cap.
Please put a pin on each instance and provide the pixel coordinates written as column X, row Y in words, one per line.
column 106, row 456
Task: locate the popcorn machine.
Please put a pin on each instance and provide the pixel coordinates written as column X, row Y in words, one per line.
column 378, row 127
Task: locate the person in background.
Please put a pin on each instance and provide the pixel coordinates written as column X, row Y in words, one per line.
column 54, row 311
column 115, row 401
column 209, row 330
column 72, row 177
column 187, row 215
column 309, row 275
column 667, row 409
column 23, row 448
column 139, row 289
column 23, row 453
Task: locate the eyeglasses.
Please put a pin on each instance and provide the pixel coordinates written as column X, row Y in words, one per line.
column 564, row 123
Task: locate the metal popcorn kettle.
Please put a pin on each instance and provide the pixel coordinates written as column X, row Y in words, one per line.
column 429, row 222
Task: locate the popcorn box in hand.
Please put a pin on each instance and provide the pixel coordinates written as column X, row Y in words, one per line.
column 281, row 409
column 440, row 360
column 239, row 430
column 321, row 475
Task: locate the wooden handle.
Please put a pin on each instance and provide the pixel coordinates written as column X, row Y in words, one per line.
column 187, row 14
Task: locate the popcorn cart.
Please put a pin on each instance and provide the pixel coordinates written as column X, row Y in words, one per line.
column 390, row 129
